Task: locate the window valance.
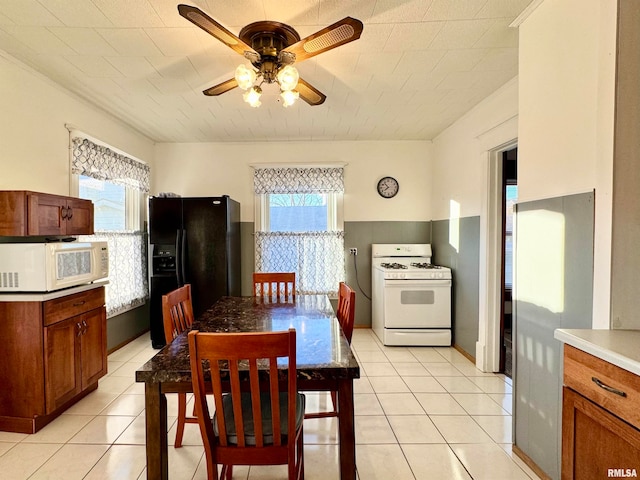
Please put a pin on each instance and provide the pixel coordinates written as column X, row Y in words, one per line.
column 298, row 180
column 102, row 163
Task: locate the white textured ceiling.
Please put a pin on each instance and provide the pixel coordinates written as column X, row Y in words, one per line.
column 418, row 66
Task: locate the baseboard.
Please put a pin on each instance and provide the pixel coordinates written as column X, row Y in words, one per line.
column 466, row 354
column 530, row 463
column 126, row 342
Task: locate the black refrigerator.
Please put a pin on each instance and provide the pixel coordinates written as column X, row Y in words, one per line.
column 194, row 240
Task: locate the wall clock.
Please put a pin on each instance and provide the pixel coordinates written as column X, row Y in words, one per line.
column 388, row 187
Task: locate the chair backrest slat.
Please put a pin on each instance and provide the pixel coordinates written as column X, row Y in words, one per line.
column 177, row 312
column 274, row 285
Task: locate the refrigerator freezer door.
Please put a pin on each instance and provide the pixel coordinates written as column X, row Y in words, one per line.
column 205, row 244
column 165, row 219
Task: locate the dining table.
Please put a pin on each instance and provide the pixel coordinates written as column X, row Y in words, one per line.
column 324, row 362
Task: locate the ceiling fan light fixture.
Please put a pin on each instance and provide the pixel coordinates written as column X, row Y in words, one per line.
column 252, row 97
column 245, row 76
column 288, row 77
column 289, row 97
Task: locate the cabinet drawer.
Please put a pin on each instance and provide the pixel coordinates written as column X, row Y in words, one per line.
column 595, row 378
column 72, row 305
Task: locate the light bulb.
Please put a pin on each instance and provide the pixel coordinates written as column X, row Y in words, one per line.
column 288, row 77
column 245, row 76
column 252, row 97
column 289, row 97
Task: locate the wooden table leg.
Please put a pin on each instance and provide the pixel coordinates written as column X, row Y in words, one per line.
column 346, row 430
column 156, row 426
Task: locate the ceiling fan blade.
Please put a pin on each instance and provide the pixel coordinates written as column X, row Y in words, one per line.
column 221, row 88
column 309, row 93
column 344, row 31
column 209, row 25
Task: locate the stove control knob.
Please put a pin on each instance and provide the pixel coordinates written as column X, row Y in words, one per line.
column 440, row 275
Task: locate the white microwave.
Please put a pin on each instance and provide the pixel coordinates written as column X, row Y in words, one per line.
column 45, row 267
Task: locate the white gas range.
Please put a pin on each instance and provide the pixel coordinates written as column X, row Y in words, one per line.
column 411, row 297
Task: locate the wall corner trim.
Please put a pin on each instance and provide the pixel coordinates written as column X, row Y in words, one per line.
column 519, row 20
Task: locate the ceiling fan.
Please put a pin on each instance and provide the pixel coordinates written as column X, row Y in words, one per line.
column 273, row 48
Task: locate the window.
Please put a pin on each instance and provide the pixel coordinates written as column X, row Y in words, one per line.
column 298, row 212
column 118, row 187
column 109, row 202
column 511, row 197
column 299, row 226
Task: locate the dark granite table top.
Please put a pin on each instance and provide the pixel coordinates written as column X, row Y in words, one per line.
column 322, row 350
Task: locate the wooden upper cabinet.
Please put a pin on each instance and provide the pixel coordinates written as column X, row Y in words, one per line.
column 24, row 213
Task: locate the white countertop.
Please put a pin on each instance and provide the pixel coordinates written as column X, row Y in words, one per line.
column 619, row 347
column 44, row 296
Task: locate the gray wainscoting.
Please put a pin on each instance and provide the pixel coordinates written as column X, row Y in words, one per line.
column 554, row 281
column 462, row 256
column 248, row 257
column 358, row 235
column 361, row 235
column 127, row 326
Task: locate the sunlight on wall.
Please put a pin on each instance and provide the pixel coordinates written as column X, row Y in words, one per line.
column 540, row 259
column 454, row 224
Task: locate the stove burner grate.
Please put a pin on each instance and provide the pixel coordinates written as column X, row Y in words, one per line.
column 428, row 266
column 393, row 266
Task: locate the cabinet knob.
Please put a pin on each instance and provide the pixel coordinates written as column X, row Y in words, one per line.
column 78, row 304
column 69, row 213
column 79, row 329
column 64, row 212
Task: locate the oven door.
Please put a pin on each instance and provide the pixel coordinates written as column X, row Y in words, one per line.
column 417, row 303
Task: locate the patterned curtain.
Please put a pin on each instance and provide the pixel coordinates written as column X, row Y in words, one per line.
column 298, row 180
column 128, row 285
column 316, row 257
column 102, row 163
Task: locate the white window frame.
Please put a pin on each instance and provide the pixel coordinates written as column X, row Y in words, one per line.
column 135, row 204
column 335, row 214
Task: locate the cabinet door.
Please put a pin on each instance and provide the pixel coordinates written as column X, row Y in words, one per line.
column 594, row 441
column 79, row 217
column 13, row 213
column 46, row 215
column 62, row 362
column 93, row 346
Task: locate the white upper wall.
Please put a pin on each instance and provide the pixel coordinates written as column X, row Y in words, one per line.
column 567, row 53
column 34, row 143
column 566, row 119
column 459, row 166
column 211, row 169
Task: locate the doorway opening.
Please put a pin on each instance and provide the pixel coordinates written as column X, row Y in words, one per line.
column 509, row 193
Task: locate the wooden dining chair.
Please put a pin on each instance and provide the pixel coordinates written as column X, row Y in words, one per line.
column 346, row 314
column 253, row 424
column 274, row 285
column 177, row 316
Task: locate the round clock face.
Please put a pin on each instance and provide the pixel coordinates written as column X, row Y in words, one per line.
column 388, row 187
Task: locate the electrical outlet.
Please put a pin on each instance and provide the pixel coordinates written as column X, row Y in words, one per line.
column 353, row 251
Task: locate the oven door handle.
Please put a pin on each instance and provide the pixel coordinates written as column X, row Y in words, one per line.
column 428, row 283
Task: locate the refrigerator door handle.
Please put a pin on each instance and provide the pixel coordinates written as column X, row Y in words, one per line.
column 178, row 257
column 183, row 260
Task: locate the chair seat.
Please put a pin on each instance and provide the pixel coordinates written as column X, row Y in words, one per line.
column 267, row 424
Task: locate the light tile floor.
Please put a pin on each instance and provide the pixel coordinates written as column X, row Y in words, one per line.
column 421, row 413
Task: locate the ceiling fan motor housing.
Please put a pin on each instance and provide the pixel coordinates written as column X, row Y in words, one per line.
column 268, row 38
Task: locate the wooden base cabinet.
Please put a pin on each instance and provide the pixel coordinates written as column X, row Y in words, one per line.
column 71, row 360
column 599, row 438
column 57, row 352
